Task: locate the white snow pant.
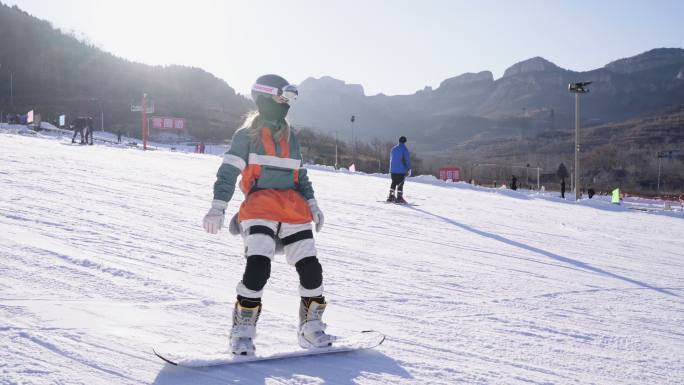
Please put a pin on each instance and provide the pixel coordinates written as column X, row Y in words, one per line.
column 298, row 243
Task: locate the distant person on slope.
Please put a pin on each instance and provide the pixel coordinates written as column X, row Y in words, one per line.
column 400, row 166
column 514, row 183
column 279, row 206
column 78, row 125
column 89, row 130
column 563, row 188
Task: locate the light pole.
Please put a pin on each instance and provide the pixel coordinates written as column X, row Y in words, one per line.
column 537, row 178
column 99, row 104
column 101, row 115
column 352, row 119
column 11, row 86
column 144, row 121
column 472, row 171
column 336, row 164
column 577, row 89
column 658, row 188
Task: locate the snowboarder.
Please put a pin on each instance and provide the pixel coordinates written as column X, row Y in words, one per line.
column 400, row 166
column 278, row 208
column 89, row 131
column 514, row 183
column 563, row 188
column 562, row 174
column 78, row 125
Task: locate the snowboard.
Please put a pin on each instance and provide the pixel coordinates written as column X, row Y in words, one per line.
column 400, row 204
column 367, row 339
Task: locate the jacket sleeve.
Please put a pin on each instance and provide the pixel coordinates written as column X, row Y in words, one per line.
column 407, row 157
column 304, row 186
column 234, row 161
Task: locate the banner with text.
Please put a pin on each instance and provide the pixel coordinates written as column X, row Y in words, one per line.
column 168, row 123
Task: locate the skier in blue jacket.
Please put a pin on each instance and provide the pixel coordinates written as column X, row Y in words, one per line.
column 400, row 166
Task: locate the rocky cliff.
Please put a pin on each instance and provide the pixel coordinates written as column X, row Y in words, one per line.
column 531, row 97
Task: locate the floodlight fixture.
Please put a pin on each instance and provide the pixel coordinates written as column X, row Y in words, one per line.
column 579, row 87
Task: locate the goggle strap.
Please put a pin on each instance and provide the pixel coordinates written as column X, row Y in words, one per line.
column 265, row 89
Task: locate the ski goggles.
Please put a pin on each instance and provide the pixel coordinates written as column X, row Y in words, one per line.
column 287, row 94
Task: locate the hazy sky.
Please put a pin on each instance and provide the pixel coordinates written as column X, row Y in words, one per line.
column 393, row 47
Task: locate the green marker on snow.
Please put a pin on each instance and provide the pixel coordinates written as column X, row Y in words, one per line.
column 616, row 196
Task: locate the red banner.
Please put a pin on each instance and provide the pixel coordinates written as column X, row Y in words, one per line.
column 168, row 123
column 450, row 173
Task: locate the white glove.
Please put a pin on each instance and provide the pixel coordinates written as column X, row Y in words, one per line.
column 213, row 221
column 317, row 214
column 234, row 226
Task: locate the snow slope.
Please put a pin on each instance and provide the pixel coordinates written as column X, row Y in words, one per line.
column 102, row 257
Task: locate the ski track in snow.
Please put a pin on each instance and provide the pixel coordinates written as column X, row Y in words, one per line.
column 102, row 257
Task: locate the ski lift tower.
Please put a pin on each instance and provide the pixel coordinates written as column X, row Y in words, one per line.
column 577, row 89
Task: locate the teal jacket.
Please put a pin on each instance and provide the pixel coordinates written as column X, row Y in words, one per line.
column 276, row 172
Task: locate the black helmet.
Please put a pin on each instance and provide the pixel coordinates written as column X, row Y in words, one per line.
column 402, row 139
column 273, row 85
column 263, row 92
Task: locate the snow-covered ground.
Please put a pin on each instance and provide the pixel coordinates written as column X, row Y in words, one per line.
column 108, row 138
column 102, row 257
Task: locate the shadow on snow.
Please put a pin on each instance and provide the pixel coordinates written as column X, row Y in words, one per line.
column 334, row 369
column 573, row 262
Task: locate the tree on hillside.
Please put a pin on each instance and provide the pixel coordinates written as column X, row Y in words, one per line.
column 56, row 73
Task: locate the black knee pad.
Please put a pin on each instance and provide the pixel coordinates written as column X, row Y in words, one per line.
column 310, row 272
column 257, row 271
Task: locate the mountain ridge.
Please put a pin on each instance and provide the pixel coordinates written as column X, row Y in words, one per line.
column 621, row 89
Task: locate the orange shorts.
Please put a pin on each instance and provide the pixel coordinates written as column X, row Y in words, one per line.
column 286, row 206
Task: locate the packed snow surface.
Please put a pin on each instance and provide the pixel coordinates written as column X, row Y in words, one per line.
column 103, row 257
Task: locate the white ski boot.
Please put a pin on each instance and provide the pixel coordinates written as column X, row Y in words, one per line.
column 311, row 332
column 244, row 329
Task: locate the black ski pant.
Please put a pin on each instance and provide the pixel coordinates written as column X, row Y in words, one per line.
column 398, row 183
column 89, row 136
column 262, row 238
column 258, row 271
column 76, row 132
